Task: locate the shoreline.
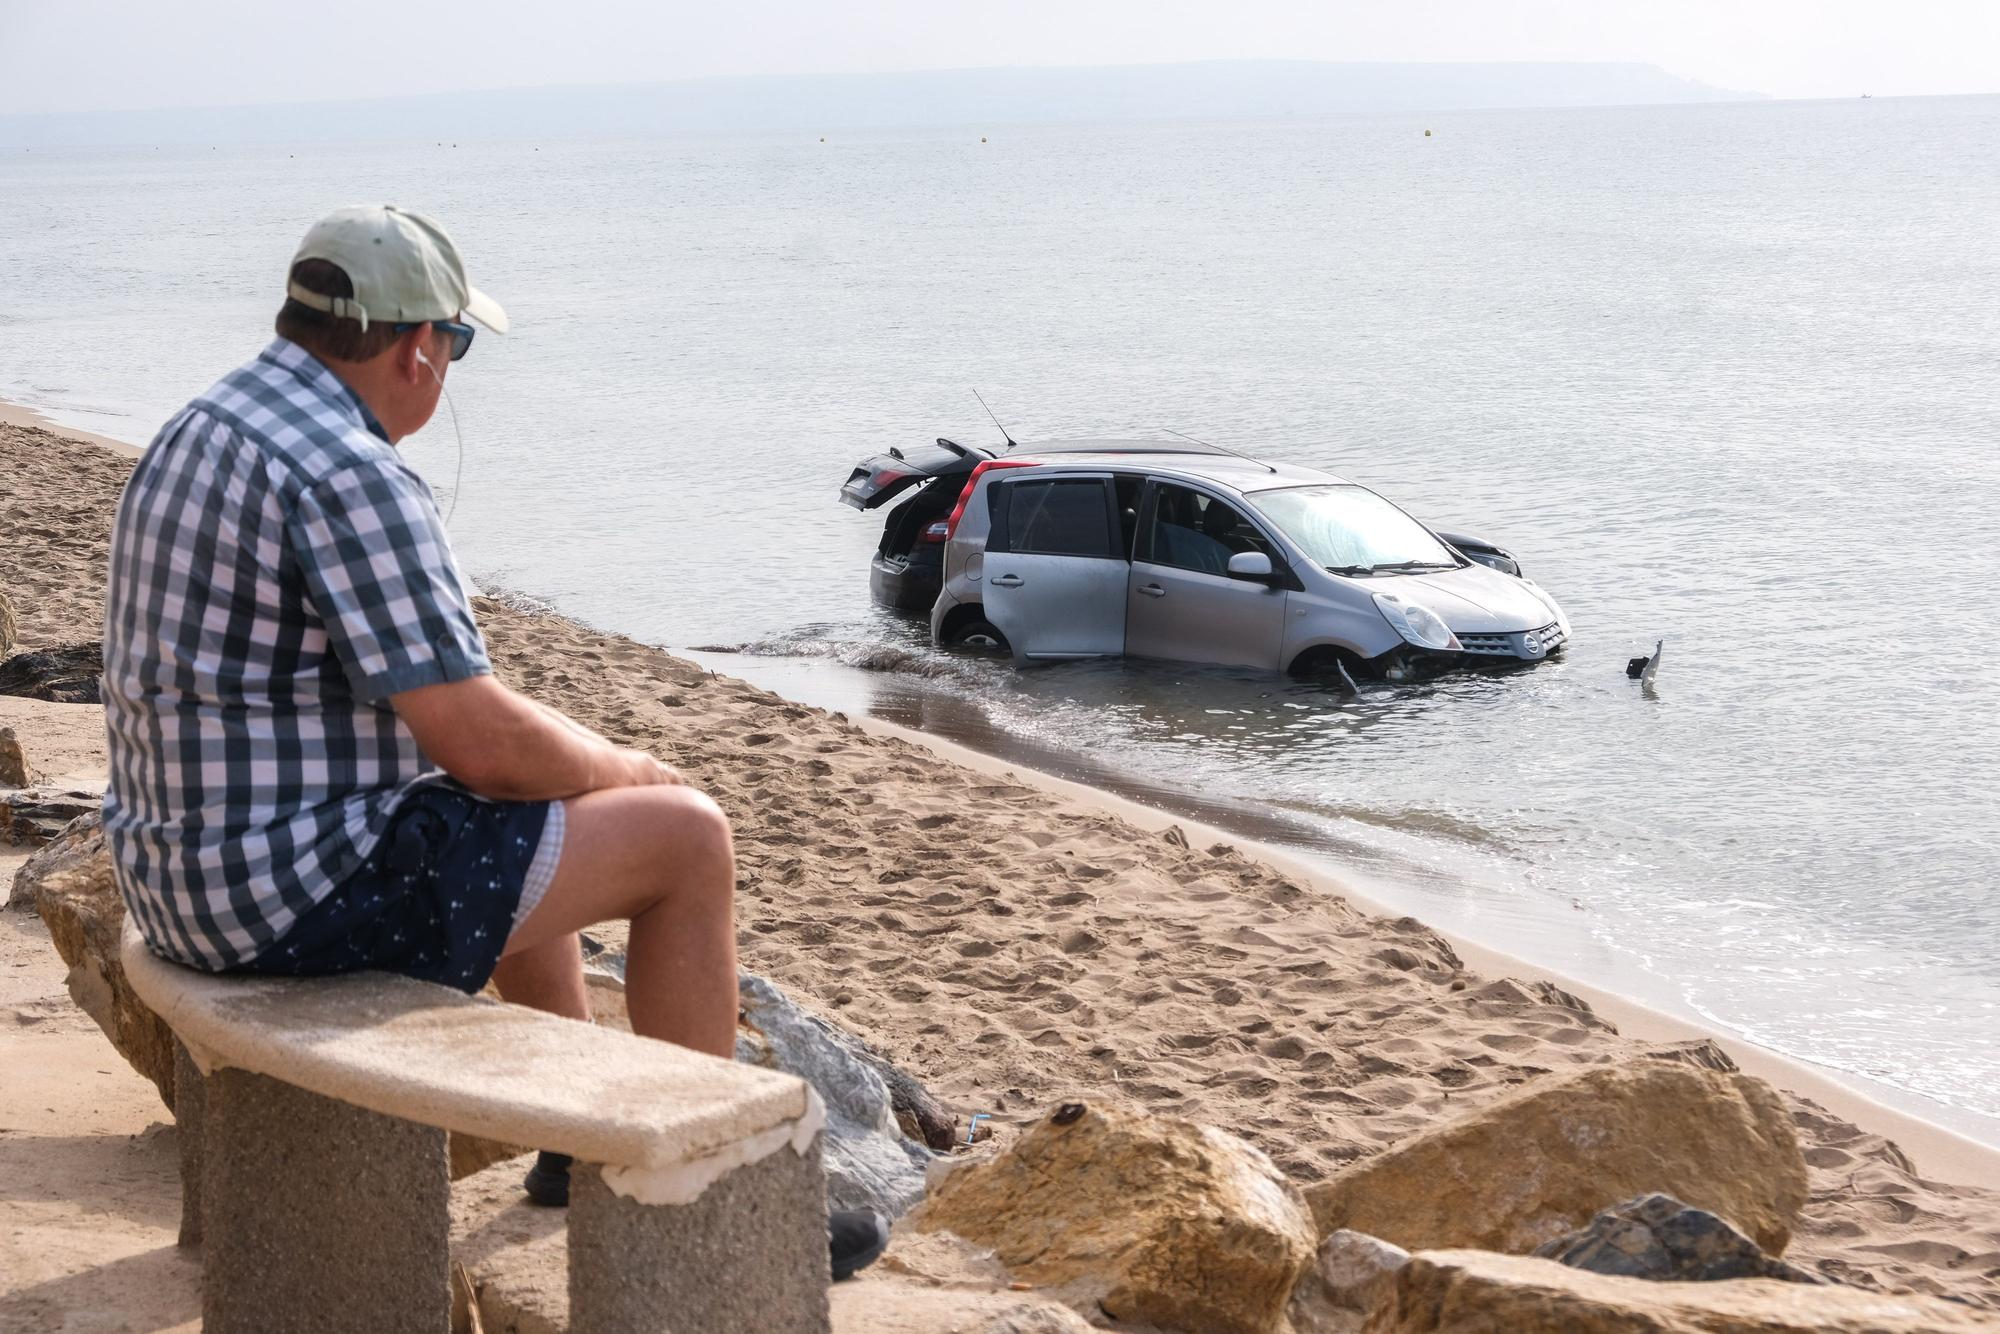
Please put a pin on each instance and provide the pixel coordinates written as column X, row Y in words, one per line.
column 964, row 736
column 1939, row 1150
column 20, row 414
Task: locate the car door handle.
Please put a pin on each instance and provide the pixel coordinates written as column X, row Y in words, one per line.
column 1153, row 590
column 1006, row 581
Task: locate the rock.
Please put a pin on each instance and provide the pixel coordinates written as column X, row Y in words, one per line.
column 67, row 853
column 10, row 634
column 65, row 674
column 13, row 762
column 1478, row 1292
column 1544, row 1160
column 1705, row 1053
column 870, row 1162
column 1657, row 1237
column 1145, row 1218
column 35, row 815
column 1352, row 1274
column 886, row 1305
column 69, row 883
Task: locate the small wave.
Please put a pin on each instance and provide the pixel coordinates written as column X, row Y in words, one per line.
column 515, row 600
column 862, row 655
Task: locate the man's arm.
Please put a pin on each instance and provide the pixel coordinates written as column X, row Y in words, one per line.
column 506, row 746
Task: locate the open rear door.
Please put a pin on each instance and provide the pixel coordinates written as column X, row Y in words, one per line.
column 878, row 480
column 1054, row 570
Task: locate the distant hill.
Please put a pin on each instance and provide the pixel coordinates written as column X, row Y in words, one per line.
column 1217, row 90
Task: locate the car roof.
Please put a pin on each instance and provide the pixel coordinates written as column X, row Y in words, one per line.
column 1189, row 459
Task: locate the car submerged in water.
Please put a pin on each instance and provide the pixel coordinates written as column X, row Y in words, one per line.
column 1189, row 553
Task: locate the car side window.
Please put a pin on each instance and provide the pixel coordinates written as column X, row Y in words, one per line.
column 1195, row 531
column 1058, row 517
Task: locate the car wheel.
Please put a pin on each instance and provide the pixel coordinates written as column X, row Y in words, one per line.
column 978, row 635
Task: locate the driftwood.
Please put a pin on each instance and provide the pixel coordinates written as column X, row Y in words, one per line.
column 65, row 674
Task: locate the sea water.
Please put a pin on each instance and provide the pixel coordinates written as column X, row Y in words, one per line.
column 1728, row 375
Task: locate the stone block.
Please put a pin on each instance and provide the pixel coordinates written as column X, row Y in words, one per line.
column 1542, row 1161
column 1478, row 1292
column 318, row 1217
column 750, row 1253
column 1146, row 1219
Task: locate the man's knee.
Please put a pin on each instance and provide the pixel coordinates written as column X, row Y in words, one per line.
column 692, row 825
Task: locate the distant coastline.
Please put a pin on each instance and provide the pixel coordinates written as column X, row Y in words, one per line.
column 919, row 99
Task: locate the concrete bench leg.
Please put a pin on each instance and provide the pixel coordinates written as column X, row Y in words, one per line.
column 189, row 1130
column 317, row 1216
column 749, row 1254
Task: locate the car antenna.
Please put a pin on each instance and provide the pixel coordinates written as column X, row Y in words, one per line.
column 996, row 422
column 1224, row 448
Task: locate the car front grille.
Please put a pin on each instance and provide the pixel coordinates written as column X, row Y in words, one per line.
column 1547, row 640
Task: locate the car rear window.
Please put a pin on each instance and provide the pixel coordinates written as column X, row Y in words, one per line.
column 1059, row 517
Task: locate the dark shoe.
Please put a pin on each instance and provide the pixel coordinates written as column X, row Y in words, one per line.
column 857, row 1238
column 547, row 1182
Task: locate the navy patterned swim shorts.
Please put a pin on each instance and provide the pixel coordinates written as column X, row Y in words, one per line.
column 436, row 897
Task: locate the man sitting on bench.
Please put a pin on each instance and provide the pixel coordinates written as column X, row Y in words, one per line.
column 312, row 767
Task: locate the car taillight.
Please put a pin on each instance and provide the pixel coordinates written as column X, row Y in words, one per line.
column 937, row 532
column 972, row 483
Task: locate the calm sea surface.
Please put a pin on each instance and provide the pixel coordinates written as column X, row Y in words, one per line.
column 1728, row 375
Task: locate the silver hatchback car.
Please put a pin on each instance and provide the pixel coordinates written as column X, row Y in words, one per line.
column 1195, row 554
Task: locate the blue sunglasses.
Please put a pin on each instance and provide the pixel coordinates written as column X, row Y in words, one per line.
column 461, row 335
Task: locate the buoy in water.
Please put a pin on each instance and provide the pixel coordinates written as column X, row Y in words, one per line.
column 982, row 138
column 1427, row 134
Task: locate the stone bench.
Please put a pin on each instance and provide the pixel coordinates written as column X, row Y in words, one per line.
column 312, row 1120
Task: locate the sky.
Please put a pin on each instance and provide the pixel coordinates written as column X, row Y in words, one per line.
column 89, row 55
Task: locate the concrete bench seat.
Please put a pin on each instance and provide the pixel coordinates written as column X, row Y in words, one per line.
column 314, row 1168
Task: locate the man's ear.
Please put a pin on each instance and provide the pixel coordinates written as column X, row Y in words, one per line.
column 405, row 351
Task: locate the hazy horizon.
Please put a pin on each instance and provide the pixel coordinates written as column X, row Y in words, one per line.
column 910, row 100
column 104, row 55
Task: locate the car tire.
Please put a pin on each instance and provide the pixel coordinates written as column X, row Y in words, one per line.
column 978, row 635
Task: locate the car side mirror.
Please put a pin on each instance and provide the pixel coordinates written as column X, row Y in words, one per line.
column 1251, row 566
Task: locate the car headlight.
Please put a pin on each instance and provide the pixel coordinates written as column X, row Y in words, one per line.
column 1416, row 623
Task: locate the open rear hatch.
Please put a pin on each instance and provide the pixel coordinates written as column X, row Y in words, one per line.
column 878, row 480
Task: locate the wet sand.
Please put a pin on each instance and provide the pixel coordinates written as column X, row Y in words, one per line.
column 1015, row 942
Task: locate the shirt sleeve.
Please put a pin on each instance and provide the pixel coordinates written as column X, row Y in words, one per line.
column 380, row 574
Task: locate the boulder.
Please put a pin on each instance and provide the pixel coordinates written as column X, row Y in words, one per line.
column 887, row 1305
column 1145, row 1218
column 1352, row 1275
column 65, row 674
column 35, row 815
column 69, row 883
column 870, row 1162
column 1478, row 1292
column 1542, row 1161
column 13, row 760
column 1658, row 1237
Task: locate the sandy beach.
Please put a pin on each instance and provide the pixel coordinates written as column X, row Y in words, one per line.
column 1013, row 940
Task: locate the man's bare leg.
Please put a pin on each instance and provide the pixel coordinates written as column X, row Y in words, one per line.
column 660, row 858
column 547, row 977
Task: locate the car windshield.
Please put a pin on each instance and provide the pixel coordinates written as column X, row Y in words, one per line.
column 1350, row 529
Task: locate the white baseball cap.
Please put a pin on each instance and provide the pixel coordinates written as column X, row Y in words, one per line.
column 405, row 270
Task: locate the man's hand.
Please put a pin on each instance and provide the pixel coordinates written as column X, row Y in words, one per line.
column 506, row 746
column 647, row 771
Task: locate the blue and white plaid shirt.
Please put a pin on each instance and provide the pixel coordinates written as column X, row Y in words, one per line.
column 277, row 572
